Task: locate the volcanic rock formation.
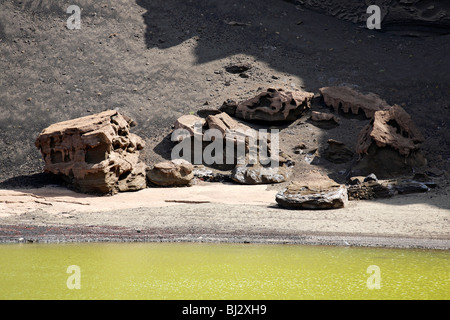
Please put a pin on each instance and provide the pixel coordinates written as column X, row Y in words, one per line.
column 349, row 99
column 271, row 105
column 94, row 154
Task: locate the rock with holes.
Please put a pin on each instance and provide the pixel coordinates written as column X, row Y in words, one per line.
column 389, row 145
column 94, row 154
column 177, row 172
column 271, row 105
column 350, row 100
column 394, row 128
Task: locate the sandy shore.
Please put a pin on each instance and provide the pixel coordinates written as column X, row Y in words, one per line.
column 216, row 212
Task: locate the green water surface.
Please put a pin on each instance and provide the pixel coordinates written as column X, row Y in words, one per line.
column 199, row 271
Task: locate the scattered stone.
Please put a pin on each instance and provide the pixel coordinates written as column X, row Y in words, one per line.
column 207, row 112
column 271, row 105
column 237, row 23
column 434, row 172
column 355, row 181
column 94, row 154
column 207, row 175
column 370, row 177
column 238, row 68
column 298, row 195
column 324, row 120
column 351, row 100
column 369, row 190
column 257, row 174
column 176, row 172
column 229, row 107
column 337, row 152
column 411, row 186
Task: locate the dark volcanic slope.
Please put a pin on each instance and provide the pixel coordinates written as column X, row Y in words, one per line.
column 157, row 60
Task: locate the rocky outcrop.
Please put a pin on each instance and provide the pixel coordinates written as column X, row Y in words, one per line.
column 94, row 154
column 176, row 172
column 348, row 99
column 313, row 196
column 271, row 105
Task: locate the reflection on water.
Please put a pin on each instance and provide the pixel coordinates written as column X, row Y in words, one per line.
column 220, row 271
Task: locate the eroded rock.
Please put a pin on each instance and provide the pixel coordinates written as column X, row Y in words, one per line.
column 393, row 128
column 94, row 154
column 348, row 99
column 177, row 172
column 271, row 105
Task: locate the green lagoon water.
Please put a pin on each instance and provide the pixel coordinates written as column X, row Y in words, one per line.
column 198, row 271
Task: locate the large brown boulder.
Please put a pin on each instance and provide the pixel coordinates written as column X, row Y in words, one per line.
column 271, row 105
column 176, row 172
column 94, row 154
column 313, row 195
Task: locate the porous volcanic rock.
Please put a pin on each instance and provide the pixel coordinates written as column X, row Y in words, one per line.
column 177, row 172
column 313, row 196
column 394, row 128
column 349, row 99
column 94, row 154
column 271, row 105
